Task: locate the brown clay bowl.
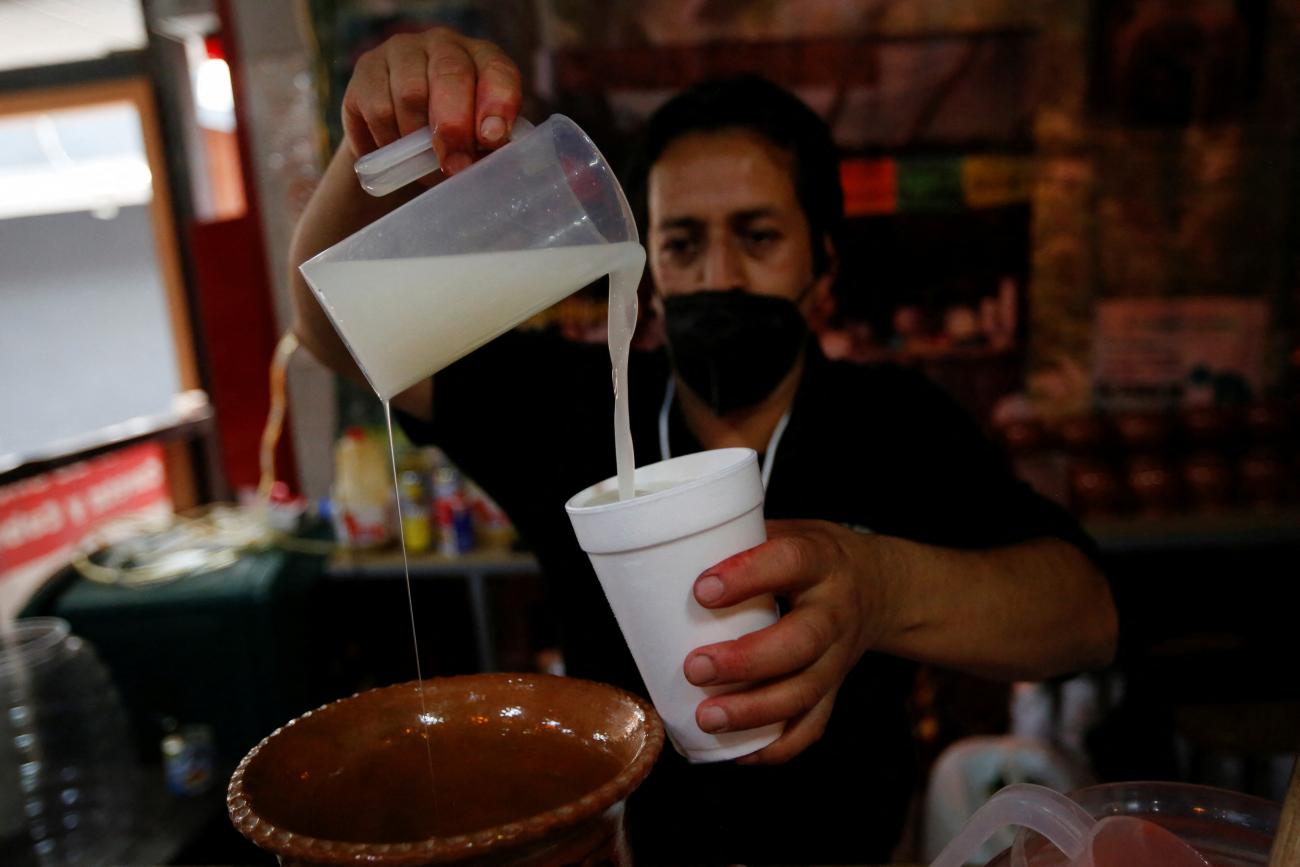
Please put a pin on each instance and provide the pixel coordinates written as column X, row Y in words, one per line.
column 488, row 769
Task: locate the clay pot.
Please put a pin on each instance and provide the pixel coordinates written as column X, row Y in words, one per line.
column 1209, row 480
column 1143, row 431
column 1264, row 478
column 487, row 769
column 1267, row 422
column 1084, row 434
column 1154, row 486
column 1095, row 489
column 1023, row 436
column 1209, row 426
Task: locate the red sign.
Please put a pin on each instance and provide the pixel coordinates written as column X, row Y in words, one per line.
column 54, row 511
column 870, row 186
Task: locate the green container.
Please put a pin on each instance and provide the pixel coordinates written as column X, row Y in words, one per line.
column 228, row 648
column 930, row 184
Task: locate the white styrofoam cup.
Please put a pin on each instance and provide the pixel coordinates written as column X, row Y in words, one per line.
column 648, row 551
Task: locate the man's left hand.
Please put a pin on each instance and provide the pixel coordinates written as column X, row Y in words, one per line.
column 830, row 577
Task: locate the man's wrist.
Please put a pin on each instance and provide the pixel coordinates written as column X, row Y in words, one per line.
column 894, row 603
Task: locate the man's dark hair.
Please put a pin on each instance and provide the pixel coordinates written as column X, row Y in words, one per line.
column 751, row 102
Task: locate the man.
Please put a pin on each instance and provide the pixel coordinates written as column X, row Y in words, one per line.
column 905, row 538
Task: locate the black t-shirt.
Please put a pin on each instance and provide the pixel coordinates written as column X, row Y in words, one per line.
column 530, row 418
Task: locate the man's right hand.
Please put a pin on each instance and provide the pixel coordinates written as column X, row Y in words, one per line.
column 466, row 90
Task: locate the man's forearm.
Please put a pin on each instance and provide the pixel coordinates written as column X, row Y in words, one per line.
column 1028, row 611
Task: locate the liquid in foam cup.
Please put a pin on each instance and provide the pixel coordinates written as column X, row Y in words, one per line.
column 697, row 510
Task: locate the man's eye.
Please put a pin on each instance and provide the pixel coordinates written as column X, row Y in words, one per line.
column 761, row 239
column 679, row 248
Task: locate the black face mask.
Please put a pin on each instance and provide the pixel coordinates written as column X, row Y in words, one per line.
column 733, row 348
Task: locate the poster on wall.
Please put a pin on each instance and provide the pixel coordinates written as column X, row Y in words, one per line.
column 1157, row 64
column 46, row 518
column 1158, row 353
column 882, row 81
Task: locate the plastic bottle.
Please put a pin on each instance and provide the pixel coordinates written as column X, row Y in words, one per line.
column 455, row 520
column 416, row 526
column 188, row 758
column 492, row 527
column 363, row 491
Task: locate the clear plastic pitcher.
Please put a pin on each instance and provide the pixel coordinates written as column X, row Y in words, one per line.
column 1120, row 825
column 519, row 230
column 1228, row 829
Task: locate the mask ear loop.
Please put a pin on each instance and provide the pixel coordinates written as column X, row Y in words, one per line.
column 769, row 455
column 671, row 390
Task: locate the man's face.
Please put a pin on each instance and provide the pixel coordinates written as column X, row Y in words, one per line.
column 723, row 215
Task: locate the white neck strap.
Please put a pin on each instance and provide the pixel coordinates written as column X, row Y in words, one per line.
column 769, row 456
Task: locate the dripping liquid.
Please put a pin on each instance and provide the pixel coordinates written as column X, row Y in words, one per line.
column 410, row 602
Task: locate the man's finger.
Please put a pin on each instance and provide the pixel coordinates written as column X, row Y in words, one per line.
column 779, row 701
column 783, row 565
column 791, row 644
column 452, row 84
column 408, row 82
column 498, row 96
column 375, row 102
column 356, row 129
column 799, row 735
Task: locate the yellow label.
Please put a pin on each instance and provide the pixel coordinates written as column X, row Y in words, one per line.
column 993, row 181
column 417, row 533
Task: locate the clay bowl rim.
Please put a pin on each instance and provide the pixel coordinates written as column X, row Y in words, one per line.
column 289, row 844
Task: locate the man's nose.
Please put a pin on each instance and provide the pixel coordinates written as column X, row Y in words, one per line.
column 722, row 269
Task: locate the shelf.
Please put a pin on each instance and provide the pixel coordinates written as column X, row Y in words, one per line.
column 474, row 568
column 1227, row 529
column 387, row 562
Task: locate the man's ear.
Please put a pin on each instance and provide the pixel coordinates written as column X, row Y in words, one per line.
column 832, row 256
column 820, row 304
column 656, row 303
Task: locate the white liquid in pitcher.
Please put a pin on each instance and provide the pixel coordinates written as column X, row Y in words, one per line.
column 417, row 315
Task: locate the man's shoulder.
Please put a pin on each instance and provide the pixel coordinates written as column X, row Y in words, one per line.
column 877, row 380
column 892, row 405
